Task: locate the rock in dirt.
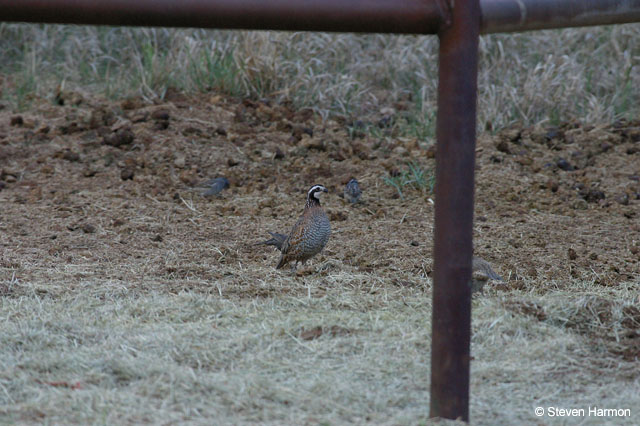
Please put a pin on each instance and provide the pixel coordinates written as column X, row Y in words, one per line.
column 313, row 144
column 623, row 199
column 119, row 138
column 131, row 104
column 503, row 146
column 564, row 165
column 431, row 151
column 279, row 154
column 180, row 161
column 337, row 216
column 71, row 128
column 552, row 185
column 580, row 204
column 127, row 173
column 68, row 97
column 102, row 117
column 633, row 150
column 161, row 118
column 70, row 155
column 553, row 133
column 605, row 147
column 189, row 176
column 161, row 115
column 592, row 195
column 16, row 120
column 90, row 171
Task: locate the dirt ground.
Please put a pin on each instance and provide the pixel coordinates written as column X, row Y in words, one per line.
column 98, row 189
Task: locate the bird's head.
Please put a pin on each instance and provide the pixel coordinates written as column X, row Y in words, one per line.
column 314, row 194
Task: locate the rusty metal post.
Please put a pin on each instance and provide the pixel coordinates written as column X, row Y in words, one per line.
column 456, row 134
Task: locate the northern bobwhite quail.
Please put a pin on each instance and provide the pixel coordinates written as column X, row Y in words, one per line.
column 352, row 191
column 308, row 236
column 480, row 265
column 485, row 273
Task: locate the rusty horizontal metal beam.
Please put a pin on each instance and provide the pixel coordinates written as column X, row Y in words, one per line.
column 381, row 16
column 375, row 16
column 525, row 15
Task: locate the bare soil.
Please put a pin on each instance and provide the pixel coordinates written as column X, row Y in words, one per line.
column 94, row 189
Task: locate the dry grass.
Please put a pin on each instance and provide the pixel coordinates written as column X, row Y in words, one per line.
column 106, row 352
column 590, row 74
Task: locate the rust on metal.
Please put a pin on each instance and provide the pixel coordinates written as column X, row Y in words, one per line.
column 456, row 136
column 380, row 16
column 524, row 15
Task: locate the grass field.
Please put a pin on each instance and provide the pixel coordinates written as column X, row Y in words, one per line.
column 591, row 74
column 127, row 298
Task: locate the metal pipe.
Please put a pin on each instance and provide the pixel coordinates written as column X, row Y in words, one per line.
column 455, row 163
column 391, row 16
column 524, row 15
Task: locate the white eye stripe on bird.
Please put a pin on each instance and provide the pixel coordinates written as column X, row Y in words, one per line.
column 317, row 190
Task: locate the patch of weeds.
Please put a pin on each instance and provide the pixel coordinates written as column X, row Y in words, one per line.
column 413, row 176
column 412, row 124
column 21, row 94
column 347, row 104
column 358, row 129
column 155, row 69
column 421, row 128
column 216, row 70
column 624, row 98
column 555, row 118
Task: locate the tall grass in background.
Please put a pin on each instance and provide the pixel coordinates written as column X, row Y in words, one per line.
column 590, row 74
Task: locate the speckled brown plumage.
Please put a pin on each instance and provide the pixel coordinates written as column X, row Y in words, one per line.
column 308, row 236
column 481, row 273
column 482, row 266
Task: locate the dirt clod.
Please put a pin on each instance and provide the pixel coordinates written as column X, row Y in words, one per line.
column 160, row 115
column 119, row 138
column 564, row 165
column 127, row 173
column 16, row 120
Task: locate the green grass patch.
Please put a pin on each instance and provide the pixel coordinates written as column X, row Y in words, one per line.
column 413, row 176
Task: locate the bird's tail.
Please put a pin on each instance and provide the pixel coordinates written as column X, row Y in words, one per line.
column 276, row 240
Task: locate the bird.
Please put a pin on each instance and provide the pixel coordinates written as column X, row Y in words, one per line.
column 213, row 187
column 308, row 236
column 485, row 273
column 352, row 191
